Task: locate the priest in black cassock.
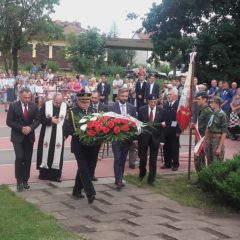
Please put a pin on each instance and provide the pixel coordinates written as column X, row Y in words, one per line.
column 51, row 139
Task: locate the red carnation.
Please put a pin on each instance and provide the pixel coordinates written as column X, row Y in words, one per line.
column 124, row 121
column 90, row 125
column 116, row 130
column 110, row 124
column 105, row 130
column 133, row 124
column 100, row 120
column 98, row 128
column 91, row 133
column 126, row 128
column 117, row 120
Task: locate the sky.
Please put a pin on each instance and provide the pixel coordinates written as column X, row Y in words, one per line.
column 104, row 13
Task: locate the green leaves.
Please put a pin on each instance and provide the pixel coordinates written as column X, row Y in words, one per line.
column 87, row 50
column 222, row 179
column 213, row 26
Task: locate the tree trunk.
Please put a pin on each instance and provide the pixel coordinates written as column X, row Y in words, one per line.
column 174, row 70
column 15, row 61
column 5, row 64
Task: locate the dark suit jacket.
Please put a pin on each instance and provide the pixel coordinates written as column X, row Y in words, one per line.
column 15, row 121
column 106, row 90
column 171, row 117
column 155, row 90
column 139, row 90
column 101, row 107
column 158, row 133
column 131, row 110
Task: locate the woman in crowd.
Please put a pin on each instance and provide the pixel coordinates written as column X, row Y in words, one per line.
column 234, row 121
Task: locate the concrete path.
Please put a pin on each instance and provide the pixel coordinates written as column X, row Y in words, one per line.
column 132, row 213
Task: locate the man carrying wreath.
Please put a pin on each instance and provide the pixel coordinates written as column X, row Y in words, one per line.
column 121, row 148
column 84, row 154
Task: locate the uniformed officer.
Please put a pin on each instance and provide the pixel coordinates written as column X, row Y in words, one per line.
column 216, row 132
column 202, row 122
column 85, row 155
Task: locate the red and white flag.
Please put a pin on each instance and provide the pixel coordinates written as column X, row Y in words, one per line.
column 184, row 112
column 200, row 142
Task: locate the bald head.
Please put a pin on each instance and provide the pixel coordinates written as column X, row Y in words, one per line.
column 57, row 100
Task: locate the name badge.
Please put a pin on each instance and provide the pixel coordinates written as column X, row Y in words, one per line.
column 174, row 124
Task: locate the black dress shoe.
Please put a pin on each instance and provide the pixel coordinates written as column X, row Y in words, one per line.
column 20, row 187
column 151, row 183
column 132, row 166
column 119, row 186
column 77, row 195
column 140, row 178
column 25, row 185
column 95, row 179
column 174, row 168
column 164, row 167
column 91, row 199
column 57, row 180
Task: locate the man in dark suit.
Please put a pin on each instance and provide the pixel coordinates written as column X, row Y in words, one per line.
column 172, row 134
column 23, row 119
column 84, row 154
column 140, row 91
column 97, row 106
column 152, row 138
column 104, row 89
column 152, row 88
column 121, row 148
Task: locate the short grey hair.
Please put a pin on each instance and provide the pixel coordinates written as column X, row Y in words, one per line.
column 56, row 95
column 174, row 90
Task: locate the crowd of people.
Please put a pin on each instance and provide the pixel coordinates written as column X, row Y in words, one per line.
column 54, row 101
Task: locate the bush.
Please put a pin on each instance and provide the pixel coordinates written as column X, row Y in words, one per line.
column 222, row 179
column 53, row 65
column 26, row 66
column 110, row 70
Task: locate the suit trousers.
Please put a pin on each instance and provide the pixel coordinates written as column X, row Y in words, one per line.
column 120, row 152
column 85, row 156
column 142, row 153
column 171, row 151
column 23, row 153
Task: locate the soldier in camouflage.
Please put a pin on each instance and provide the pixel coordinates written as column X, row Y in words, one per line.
column 202, row 121
column 216, row 132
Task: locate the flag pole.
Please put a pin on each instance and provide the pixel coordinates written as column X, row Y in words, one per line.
column 192, row 60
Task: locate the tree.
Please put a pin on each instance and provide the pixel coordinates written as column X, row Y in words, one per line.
column 19, row 21
column 86, row 51
column 213, row 26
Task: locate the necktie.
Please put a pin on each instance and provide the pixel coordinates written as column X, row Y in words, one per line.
column 25, row 113
column 151, row 116
column 123, row 109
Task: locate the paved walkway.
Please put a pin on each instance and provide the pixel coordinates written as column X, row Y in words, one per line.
column 132, row 213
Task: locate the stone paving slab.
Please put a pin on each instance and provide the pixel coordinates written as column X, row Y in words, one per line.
column 130, row 214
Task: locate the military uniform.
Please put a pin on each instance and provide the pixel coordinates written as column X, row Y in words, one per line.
column 85, row 156
column 203, row 119
column 217, row 125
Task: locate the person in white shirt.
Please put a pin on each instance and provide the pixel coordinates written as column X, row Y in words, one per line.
column 117, row 84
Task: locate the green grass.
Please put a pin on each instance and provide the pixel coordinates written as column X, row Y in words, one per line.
column 178, row 188
column 20, row 220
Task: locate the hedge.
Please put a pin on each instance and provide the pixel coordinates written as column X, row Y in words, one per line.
column 222, row 179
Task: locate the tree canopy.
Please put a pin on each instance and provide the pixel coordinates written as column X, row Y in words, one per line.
column 86, row 51
column 213, row 26
column 19, row 21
